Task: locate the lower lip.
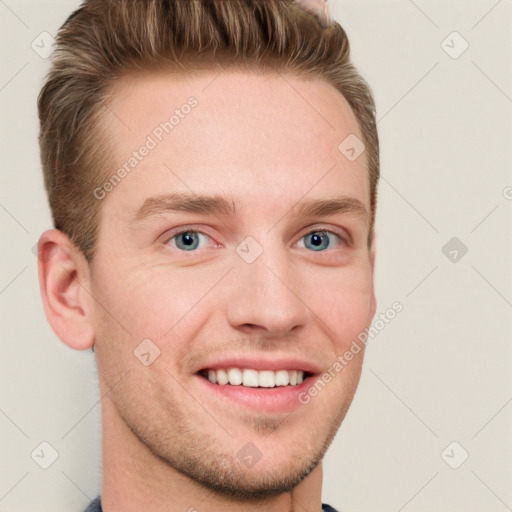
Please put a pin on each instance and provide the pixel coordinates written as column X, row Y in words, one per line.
column 268, row 400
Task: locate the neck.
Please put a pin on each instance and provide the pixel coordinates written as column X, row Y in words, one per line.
column 135, row 479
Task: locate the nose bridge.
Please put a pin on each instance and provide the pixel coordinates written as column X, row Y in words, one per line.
column 267, row 291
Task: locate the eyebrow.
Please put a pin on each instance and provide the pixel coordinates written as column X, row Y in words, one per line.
column 326, row 207
column 184, row 202
column 218, row 205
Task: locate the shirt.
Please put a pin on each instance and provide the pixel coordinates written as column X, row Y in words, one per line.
column 95, row 506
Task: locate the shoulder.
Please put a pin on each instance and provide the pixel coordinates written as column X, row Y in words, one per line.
column 95, row 505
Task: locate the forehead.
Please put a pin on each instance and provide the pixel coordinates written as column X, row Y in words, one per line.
column 247, row 134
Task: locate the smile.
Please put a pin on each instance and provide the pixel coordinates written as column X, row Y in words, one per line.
column 254, row 378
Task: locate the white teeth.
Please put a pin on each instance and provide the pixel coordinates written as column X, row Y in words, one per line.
column 235, row 376
column 266, row 379
column 254, row 378
column 222, row 377
column 250, row 378
column 282, row 378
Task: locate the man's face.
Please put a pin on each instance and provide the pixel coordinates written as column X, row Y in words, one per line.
column 263, row 284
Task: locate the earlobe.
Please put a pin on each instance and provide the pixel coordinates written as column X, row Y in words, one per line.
column 63, row 282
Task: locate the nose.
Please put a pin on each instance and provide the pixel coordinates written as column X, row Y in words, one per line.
column 266, row 295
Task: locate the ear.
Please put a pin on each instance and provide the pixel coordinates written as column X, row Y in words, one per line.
column 373, row 251
column 63, row 283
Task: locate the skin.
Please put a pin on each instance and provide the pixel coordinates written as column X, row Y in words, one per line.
column 168, row 445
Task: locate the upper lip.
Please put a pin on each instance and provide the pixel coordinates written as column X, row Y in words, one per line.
column 261, row 363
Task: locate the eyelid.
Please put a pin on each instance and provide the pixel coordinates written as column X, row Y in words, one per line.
column 341, row 233
column 169, row 235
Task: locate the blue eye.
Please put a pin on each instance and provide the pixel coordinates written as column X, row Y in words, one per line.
column 320, row 240
column 187, row 240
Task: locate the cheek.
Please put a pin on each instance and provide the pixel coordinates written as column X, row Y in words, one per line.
column 150, row 302
column 344, row 304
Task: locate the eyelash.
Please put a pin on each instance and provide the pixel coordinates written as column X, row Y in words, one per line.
column 186, row 229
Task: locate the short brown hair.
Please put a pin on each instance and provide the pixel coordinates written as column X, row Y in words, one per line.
column 104, row 38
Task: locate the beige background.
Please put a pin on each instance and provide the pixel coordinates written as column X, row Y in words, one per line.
column 438, row 373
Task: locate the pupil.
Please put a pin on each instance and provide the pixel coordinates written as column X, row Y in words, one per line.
column 188, row 239
column 317, row 238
